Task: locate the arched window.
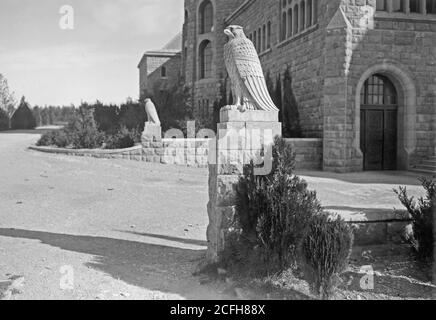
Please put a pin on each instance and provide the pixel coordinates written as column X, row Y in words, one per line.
column 309, row 13
column 296, row 25
column 378, row 90
column 268, row 45
column 163, row 72
column 302, row 15
column 206, row 59
column 381, row 5
column 259, row 40
column 431, row 6
column 206, row 17
column 289, row 34
column 283, row 33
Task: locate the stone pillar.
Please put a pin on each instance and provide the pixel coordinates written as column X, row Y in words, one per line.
column 241, row 138
column 152, row 144
column 152, row 132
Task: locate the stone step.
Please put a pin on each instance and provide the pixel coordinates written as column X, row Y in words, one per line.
column 425, row 172
column 380, row 250
column 425, row 167
column 431, row 163
column 376, row 226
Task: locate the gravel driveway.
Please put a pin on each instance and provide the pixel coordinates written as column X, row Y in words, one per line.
column 123, row 230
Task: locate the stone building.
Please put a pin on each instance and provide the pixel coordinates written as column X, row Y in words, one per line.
column 159, row 69
column 364, row 71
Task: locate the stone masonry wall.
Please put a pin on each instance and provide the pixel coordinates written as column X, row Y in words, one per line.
column 308, row 153
column 190, row 152
column 172, row 65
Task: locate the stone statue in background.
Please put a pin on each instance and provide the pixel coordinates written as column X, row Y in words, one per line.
column 152, row 128
column 245, row 72
column 152, row 115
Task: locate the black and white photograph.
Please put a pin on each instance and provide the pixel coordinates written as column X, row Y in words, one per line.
column 217, row 155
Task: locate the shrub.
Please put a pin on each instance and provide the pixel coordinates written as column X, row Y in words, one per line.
column 290, row 206
column 83, row 131
column 422, row 214
column 106, row 117
column 23, row 117
column 122, row 139
column 4, row 120
column 58, row 138
column 273, row 211
column 324, row 252
column 132, row 116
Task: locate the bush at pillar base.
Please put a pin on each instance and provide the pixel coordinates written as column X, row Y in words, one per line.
column 273, row 217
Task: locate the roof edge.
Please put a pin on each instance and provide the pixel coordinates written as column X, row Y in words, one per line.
column 239, row 10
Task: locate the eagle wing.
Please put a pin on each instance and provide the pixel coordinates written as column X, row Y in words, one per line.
column 229, row 60
column 250, row 71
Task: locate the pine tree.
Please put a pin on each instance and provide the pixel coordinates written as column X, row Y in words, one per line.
column 277, row 99
column 290, row 107
column 23, row 117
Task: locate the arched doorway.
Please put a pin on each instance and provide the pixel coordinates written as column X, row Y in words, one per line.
column 379, row 123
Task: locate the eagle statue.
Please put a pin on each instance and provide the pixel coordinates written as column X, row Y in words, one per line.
column 245, row 72
column 151, row 111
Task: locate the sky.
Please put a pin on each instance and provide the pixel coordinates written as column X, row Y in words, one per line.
column 97, row 59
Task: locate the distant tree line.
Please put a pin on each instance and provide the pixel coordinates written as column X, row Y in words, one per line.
column 51, row 115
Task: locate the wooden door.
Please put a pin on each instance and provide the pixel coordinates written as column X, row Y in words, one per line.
column 378, row 127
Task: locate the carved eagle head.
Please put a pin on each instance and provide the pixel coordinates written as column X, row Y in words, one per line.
column 234, row 32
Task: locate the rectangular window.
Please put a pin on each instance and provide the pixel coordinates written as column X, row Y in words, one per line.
column 264, row 38
column 414, row 6
column 269, row 35
column 381, row 5
column 431, row 6
column 397, row 6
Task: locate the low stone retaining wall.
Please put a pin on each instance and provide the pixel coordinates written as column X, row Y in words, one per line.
column 134, row 153
column 378, row 226
column 308, row 153
column 189, row 152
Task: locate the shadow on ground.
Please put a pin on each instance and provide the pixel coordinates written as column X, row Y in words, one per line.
column 153, row 267
column 168, row 238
